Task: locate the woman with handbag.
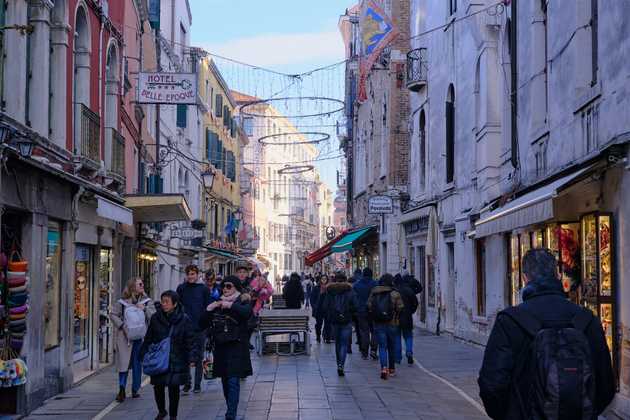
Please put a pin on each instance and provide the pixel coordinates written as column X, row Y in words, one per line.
column 226, row 320
column 168, row 351
column 129, row 331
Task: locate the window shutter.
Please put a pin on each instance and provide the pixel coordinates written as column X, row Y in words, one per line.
column 208, row 145
column 450, row 142
column 220, row 160
column 219, row 110
column 182, row 114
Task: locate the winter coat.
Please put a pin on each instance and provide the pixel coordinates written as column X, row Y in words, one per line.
column 195, row 297
column 261, row 291
column 232, row 359
column 507, row 339
column 413, row 283
column 314, row 299
column 183, row 348
column 363, row 287
column 397, row 303
column 332, row 291
column 411, row 305
column 122, row 346
column 293, row 294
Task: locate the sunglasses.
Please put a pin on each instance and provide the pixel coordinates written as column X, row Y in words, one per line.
column 228, row 286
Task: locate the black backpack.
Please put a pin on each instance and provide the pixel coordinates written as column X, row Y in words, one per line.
column 341, row 309
column 382, row 308
column 559, row 367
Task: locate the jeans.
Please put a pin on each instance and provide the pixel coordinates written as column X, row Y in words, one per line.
column 136, row 366
column 343, row 337
column 200, row 342
column 408, row 337
column 173, row 399
column 367, row 338
column 231, row 392
column 387, row 336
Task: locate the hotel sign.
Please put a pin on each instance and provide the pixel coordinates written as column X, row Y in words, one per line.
column 380, row 204
column 167, row 88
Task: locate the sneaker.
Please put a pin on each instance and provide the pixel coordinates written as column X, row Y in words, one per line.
column 121, row 395
column 384, row 373
column 410, row 359
column 340, row 371
column 161, row 416
column 392, row 372
column 186, row 389
column 197, row 390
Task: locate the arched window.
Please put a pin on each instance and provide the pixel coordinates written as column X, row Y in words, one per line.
column 114, row 143
column 450, row 134
column 86, row 145
column 422, row 147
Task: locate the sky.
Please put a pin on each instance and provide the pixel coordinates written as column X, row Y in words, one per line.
column 290, row 36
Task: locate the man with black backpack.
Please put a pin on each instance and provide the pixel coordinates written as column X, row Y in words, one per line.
column 546, row 358
column 341, row 305
column 384, row 306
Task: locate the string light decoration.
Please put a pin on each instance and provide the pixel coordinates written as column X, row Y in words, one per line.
column 323, row 137
column 295, row 169
column 340, row 105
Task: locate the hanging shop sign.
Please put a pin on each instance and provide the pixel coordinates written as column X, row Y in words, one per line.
column 331, row 232
column 167, row 88
column 380, row 204
column 186, row 233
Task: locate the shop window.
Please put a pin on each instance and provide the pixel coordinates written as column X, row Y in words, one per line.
column 82, row 292
column 481, row 276
column 52, row 304
column 104, row 305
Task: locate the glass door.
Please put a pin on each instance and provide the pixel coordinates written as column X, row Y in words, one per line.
column 82, row 301
column 104, row 305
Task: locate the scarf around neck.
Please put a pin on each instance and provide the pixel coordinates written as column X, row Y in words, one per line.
column 231, row 298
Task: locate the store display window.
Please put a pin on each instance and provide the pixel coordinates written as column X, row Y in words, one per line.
column 104, row 305
column 82, row 293
column 52, row 305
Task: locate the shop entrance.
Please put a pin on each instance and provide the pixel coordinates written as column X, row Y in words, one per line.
column 82, row 310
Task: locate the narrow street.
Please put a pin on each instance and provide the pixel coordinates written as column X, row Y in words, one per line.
column 305, row 387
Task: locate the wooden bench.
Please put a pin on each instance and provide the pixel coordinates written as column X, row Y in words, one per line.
column 283, row 331
column 278, row 302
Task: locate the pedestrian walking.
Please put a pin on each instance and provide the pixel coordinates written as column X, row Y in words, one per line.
column 293, row 292
column 130, row 317
column 261, row 292
column 547, row 357
column 403, row 285
column 170, row 323
column 242, row 273
column 226, row 320
column 194, row 297
column 341, row 305
column 308, row 289
column 211, row 282
column 385, row 305
column 363, row 287
column 318, row 297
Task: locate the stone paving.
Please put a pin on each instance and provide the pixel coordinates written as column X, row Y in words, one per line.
column 307, row 387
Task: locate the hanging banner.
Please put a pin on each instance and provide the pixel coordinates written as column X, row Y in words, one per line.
column 377, row 31
column 167, row 88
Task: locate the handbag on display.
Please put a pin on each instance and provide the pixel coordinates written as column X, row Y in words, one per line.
column 156, row 359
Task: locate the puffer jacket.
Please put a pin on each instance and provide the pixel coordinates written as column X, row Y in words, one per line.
column 507, row 339
column 183, row 350
column 397, row 303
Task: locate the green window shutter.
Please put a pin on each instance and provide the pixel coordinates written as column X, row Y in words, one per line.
column 215, row 150
column 220, row 160
column 219, row 108
column 182, row 115
column 208, row 145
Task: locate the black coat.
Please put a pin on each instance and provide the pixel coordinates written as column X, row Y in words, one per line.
column 506, row 341
column 314, row 299
column 332, row 291
column 232, row 359
column 183, row 350
column 411, row 305
column 293, row 294
column 194, row 297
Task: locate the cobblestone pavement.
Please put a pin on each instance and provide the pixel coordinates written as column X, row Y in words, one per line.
column 307, row 387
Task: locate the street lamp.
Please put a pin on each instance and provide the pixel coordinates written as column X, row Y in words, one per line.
column 208, row 178
column 25, row 146
column 5, row 133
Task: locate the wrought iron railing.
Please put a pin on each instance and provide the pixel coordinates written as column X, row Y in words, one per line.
column 417, row 67
column 118, row 153
column 90, row 134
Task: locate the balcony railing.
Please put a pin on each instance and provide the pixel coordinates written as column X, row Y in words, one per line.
column 118, row 153
column 417, row 69
column 90, row 134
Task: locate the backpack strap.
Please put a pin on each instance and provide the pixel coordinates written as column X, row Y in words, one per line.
column 582, row 319
column 524, row 319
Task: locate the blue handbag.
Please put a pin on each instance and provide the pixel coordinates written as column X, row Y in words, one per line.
column 156, row 359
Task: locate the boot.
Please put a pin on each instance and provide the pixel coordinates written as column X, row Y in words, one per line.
column 384, row 373
column 121, row 395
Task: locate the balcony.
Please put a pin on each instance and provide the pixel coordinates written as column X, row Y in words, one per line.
column 90, row 135
column 417, row 69
column 115, row 155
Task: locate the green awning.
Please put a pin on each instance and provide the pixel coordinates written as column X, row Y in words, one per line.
column 347, row 242
column 221, row 253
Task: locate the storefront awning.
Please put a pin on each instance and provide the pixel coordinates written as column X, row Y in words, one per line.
column 158, row 208
column 349, row 239
column 528, row 209
column 109, row 210
column 222, row 253
column 322, row 252
column 415, row 214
